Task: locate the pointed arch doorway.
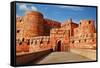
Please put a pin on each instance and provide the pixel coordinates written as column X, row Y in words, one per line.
column 58, row 46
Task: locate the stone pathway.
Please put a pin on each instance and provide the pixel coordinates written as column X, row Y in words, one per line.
column 58, row 57
column 85, row 52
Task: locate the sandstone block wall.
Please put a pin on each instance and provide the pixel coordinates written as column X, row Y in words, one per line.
column 33, row 24
column 84, row 35
column 69, row 25
column 62, row 36
column 34, row 33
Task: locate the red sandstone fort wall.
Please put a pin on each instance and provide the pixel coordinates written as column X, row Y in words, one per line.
column 34, row 33
column 84, row 35
column 69, row 25
column 62, row 36
column 34, row 44
column 49, row 24
column 40, row 43
column 31, row 25
column 35, row 25
column 33, row 22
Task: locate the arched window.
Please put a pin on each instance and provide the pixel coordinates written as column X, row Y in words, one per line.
column 28, row 42
column 36, row 42
column 92, row 40
column 18, row 40
column 20, row 43
column 80, row 23
column 23, row 40
column 31, row 41
column 18, row 31
column 86, row 35
column 48, row 42
column 41, row 42
column 85, row 40
column 72, row 41
column 89, row 22
column 79, row 41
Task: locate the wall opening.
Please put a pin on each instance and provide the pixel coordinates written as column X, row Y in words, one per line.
column 59, row 46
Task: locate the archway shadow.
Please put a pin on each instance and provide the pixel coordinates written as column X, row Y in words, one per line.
column 58, row 47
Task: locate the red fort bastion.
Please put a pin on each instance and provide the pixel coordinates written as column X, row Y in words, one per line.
column 35, row 33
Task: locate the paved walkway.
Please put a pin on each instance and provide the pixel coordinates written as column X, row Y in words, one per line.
column 58, row 57
column 85, row 52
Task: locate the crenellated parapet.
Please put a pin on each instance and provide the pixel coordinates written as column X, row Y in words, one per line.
column 35, row 33
column 35, row 43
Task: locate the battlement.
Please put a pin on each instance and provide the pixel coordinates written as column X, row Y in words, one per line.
column 68, row 23
column 52, row 23
column 19, row 19
column 31, row 40
column 86, row 22
column 34, row 43
column 35, row 33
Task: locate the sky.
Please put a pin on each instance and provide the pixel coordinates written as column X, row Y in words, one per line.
column 58, row 13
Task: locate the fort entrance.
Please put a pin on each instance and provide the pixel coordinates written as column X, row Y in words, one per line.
column 58, row 46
